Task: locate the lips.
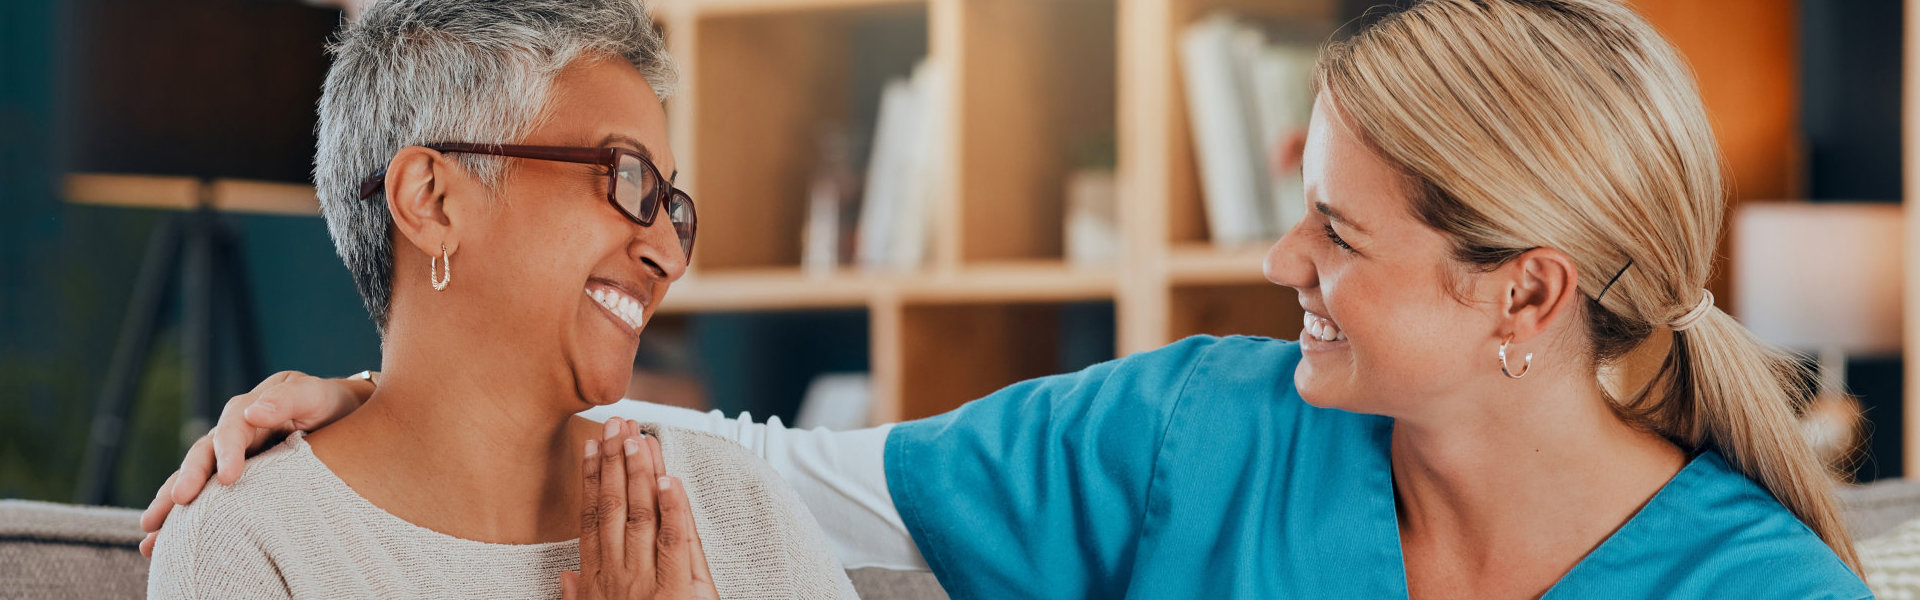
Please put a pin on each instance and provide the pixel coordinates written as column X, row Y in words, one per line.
column 618, row 302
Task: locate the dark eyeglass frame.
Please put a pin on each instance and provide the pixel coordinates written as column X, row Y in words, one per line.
column 608, row 157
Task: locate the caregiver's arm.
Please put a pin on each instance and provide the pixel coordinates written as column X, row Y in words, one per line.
column 839, row 475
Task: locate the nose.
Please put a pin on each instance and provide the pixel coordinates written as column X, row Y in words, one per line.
column 1287, row 263
column 658, row 247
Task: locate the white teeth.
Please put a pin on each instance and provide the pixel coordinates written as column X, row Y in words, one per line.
column 1322, row 329
column 622, row 305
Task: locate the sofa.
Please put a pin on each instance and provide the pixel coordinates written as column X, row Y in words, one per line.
column 62, row 551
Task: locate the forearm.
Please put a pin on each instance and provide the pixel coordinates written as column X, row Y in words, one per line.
column 840, row 475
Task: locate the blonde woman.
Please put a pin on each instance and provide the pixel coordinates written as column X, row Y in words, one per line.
column 1504, row 197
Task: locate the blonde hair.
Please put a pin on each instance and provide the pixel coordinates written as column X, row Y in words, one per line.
column 1571, row 124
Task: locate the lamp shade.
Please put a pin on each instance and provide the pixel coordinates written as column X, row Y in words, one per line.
column 1820, row 276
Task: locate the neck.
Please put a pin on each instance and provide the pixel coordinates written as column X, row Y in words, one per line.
column 1547, row 471
column 466, row 437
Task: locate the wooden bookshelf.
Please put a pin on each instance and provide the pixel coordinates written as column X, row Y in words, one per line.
column 1033, row 82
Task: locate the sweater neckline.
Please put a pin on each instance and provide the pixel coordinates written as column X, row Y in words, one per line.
column 302, row 452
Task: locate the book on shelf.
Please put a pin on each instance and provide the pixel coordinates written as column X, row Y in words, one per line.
column 906, row 171
column 833, row 205
column 1283, row 87
column 1092, row 233
column 1246, row 94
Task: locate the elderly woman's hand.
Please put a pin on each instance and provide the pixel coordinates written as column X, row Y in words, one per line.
column 637, row 538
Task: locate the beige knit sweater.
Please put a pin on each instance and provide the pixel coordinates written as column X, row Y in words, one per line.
column 291, row 529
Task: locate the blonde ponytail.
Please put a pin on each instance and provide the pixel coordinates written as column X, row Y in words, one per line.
column 1571, row 124
column 1721, row 387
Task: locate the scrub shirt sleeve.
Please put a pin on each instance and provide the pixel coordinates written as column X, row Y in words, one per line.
column 1040, row 488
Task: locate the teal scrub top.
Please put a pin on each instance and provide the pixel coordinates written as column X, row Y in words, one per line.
column 1196, row 471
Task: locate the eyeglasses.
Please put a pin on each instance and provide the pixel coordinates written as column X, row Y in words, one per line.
column 634, row 185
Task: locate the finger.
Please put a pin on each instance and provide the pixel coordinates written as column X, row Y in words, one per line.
column 301, row 403
column 641, row 513
column 332, row 400
column 194, row 471
column 589, row 510
column 232, row 437
column 674, row 564
column 250, row 401
column 146, row 544
column 156, row 512
column 261, row 413
column 569, row 585
column 653, row 451
column 613, row 495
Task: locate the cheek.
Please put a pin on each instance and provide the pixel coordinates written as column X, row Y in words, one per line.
column 1407, row 336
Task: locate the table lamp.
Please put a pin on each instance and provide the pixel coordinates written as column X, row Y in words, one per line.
column 1824, row 278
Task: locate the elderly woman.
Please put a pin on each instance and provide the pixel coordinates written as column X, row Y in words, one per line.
column 1504, row 197
column 525, row 141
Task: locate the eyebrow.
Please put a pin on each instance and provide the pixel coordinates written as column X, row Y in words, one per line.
column 1336, row 216
column 636, row 146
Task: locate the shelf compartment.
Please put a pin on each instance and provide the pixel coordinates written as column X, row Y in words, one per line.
column 1164, row 139
column 760, row 89
column 1261, row 309
column 949, row 354
column 1036, row 93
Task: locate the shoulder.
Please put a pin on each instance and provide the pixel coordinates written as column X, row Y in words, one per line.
column 1713, row 533
column 222, row 543
column 273, row 482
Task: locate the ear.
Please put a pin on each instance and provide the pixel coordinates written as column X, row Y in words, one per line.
column 1541, row 286
column 418, row 180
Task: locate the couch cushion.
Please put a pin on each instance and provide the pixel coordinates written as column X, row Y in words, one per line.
column 1878, row 507
column 60, row 551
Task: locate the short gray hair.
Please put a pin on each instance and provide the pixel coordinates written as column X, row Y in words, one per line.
column 416, row 72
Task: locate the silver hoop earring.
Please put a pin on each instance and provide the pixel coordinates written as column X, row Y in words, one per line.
column 433, row 270
column 1527, row 364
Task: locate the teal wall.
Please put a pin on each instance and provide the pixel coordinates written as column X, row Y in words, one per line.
column 66, row 272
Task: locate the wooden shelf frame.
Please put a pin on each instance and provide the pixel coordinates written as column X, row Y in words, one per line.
column 166, row 192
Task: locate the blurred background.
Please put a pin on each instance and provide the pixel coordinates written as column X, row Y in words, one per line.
column 905, row 204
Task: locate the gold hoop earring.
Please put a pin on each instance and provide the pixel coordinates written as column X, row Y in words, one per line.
column 433, row 270
column 1527, row 364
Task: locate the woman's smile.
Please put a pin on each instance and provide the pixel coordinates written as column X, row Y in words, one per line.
column 626, row 311
column 1320, row 333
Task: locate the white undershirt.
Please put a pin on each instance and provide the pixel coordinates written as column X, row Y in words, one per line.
column 840, row 475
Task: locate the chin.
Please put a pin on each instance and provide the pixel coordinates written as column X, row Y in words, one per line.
column 1321, row 390
column 601, row 391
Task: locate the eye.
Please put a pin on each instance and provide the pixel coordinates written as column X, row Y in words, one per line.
column 632, row 174
column 1334, row 237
